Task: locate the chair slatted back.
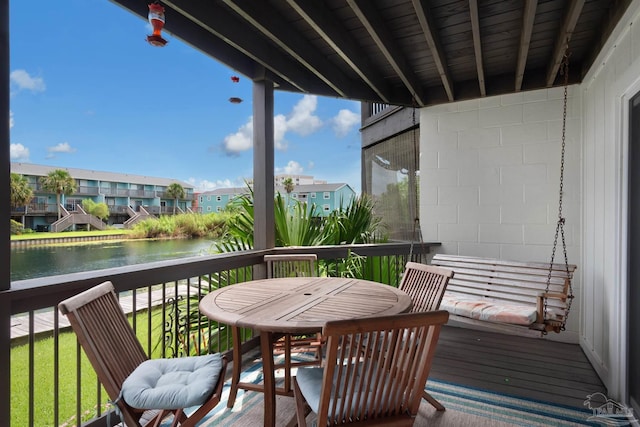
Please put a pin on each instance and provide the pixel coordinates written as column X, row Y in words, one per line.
column 383, row 364
column 291, row 265
column 105, row 335
column 425, row 284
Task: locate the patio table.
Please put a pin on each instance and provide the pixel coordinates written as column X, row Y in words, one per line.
column 295, row 305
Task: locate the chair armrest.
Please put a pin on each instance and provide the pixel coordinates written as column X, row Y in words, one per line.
column 556, row 295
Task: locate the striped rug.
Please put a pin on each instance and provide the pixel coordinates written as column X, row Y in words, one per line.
column 509, row 410
column 465, row 407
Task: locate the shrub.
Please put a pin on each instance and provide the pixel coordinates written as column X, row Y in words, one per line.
column 16, row 227
column 187, row 225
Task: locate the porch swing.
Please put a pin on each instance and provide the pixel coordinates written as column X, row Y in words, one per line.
column 526, row 298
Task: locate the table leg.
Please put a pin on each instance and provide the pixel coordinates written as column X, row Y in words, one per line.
column 237, row 365
column 266, row 344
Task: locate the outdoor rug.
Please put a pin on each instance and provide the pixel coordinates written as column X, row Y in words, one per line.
column 464, row 407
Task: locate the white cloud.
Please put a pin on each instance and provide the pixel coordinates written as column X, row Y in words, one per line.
column 292, row 168
column 279, row 131
column 240, row 141
column 18, row 153
column 301, row 120
column 63, row 147
column 10, row 119
column 344, row 121
column 201, row 185
column 23, row 81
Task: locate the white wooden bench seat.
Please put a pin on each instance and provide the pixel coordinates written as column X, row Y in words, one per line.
column 510, row 293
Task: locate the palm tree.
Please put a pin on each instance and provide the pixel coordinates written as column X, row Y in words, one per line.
column 60, row 182
column 21, row 192
column 288, row 187
column 176, row 191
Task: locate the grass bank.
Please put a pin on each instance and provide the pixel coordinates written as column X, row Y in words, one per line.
column 48, row 235
column 45, row 382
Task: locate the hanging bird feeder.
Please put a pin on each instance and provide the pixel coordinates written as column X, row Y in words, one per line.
column 235, row 99
column 156, row 19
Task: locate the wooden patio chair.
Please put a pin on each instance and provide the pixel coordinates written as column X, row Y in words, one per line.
column 425, row 284
column 291, row 265
column 375, row 370
column 145, row 390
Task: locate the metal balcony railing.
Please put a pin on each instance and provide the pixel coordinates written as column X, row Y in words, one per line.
column 54, row 383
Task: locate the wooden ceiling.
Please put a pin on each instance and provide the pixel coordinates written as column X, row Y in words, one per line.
column 399, row 52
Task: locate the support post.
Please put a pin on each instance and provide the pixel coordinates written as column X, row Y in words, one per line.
column 263, row 167
column 5, row 206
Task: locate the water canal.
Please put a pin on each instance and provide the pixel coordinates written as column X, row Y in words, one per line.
column 40, row 261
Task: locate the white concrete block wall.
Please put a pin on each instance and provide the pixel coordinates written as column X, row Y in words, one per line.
column 498, row 166
column 493, row 191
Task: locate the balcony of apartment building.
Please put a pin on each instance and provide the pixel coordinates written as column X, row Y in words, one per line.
column 87, row 191
column 477, row 116
column 58, row 391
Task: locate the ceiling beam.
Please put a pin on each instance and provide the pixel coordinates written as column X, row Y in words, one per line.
column 226, row 26
column 321, row 19
column 270, row 24
column 435, row 46
column 562, row 39
column 370, row 18
column 477, row 44
column 528, row 17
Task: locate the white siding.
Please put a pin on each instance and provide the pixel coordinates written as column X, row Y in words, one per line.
column 607, row 89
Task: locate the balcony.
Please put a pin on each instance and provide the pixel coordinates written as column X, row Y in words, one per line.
column 35, row 209
column 87, row 191
column 465, row 356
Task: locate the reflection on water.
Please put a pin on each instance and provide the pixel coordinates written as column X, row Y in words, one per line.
column 41, row 261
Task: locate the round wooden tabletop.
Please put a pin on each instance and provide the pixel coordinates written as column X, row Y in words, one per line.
column 301, row 304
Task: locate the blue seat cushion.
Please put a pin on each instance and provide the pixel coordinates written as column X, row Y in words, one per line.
column 310, row 382
column 172, row 383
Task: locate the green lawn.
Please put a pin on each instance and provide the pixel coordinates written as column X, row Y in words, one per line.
column 44, row 383
column 48, row 235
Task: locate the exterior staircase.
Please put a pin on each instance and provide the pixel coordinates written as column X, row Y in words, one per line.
column 136, row 217
column 77, row 217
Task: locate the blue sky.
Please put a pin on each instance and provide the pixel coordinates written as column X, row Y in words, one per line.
column 88, row 91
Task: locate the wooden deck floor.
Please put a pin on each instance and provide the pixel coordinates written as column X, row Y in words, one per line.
column 519, row 366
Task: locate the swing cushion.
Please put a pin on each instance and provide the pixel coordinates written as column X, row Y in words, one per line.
column 489, row 311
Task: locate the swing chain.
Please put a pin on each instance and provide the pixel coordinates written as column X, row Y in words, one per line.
column 416, row 232
column 564, row 70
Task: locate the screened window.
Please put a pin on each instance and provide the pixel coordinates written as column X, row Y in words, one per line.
column 391, row 178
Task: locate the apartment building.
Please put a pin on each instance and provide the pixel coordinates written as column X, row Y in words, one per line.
column 129, row 197
column 326, row 197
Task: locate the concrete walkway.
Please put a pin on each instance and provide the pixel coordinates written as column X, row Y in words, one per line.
column 44, row 321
